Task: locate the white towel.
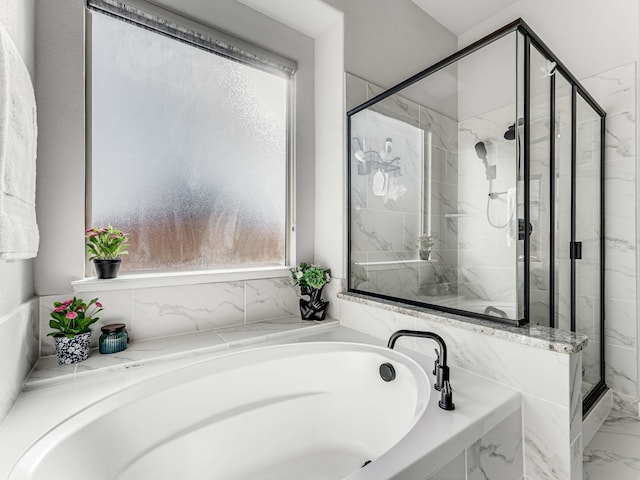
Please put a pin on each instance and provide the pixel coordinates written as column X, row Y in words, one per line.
column 19, row 235
column 512, row 224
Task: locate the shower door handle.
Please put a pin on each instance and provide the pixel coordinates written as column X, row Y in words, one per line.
column 575, row 250
column 521, row 229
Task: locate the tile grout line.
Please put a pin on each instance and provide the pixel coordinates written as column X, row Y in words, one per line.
column 244, row 302
column 523, row 438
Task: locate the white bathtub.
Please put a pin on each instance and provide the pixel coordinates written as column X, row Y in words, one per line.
column 285, row 412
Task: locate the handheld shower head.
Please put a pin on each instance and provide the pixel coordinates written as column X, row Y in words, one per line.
column 481, row 151
column 489, row 170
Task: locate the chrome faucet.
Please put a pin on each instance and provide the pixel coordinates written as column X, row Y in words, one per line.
column 440, row 369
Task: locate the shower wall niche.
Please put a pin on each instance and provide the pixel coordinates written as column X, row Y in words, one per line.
column 475, row 187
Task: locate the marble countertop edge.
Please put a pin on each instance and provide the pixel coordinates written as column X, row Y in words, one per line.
column 533, row 335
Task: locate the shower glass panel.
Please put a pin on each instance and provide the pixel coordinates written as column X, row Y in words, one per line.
column 475, row 187
column 562, row 202
column 433, row 190
column 588, row 236
column 539, row 189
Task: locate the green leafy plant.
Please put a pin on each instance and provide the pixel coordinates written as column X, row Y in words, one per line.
column 425, row 242
column 310, row 276
column 106, row 243
column 73, row 317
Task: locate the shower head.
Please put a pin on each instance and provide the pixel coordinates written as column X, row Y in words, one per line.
column 510, row 134
column 481, row 151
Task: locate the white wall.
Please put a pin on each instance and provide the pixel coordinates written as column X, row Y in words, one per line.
column 61, row 144
column 387, row 42
column 588, row 37
column 330, row 178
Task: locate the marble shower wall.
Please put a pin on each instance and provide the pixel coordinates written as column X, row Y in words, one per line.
column 615, row 91
column 18, row 351
column 487, row 254
column 385, row 227
column 163, row 311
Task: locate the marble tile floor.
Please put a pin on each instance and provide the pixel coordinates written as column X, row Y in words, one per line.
column 614, row 451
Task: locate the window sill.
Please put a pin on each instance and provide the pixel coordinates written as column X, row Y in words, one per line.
column 151, row 280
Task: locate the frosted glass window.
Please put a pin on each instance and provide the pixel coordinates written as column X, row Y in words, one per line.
column 188, row 152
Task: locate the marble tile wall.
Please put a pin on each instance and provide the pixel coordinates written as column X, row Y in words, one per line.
column 487, row 250
column 548, row 381
column 615, row 91
column 384, row 230
column 159, row 312
column 498, row 455
column 18, row 351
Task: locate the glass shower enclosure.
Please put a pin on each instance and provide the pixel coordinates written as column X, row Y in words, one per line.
column 476, row 188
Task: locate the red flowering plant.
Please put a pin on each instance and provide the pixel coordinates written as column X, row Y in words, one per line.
column 73, row 317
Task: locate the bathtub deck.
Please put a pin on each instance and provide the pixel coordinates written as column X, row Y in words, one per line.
column 47, row 371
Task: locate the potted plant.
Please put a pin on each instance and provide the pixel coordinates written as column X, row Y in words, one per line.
column 105, row 246
column 424, row 242
column 311, row 279
column 72, row 319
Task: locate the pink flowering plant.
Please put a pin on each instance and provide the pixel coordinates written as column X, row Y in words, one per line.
column 106, row 243
column 73, row 317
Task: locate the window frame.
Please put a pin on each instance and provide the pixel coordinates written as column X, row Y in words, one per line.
column 189, row 277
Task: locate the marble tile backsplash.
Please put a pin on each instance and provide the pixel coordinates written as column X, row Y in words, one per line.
column 159, row 312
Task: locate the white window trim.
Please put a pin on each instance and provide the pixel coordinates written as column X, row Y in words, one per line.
column 176, row 279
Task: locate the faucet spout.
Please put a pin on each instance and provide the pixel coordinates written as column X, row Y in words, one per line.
column 442, row 360
column 441, row 369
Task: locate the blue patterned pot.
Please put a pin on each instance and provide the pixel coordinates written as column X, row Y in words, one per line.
column 73, row 350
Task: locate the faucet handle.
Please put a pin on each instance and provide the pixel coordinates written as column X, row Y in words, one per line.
column 436, row 363
column 446, row 397
column 442, row 376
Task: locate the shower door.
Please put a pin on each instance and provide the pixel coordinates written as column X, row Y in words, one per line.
column 586, row 252
column 577, row 189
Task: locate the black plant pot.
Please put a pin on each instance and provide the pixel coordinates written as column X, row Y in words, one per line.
column 107, row 268
column 315, row 308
